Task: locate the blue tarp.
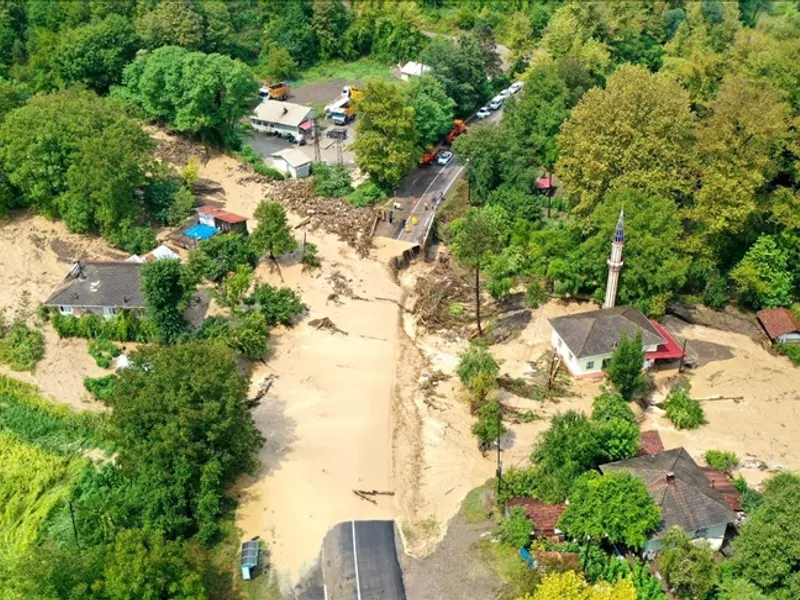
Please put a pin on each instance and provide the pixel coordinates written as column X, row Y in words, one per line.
column 200, row 232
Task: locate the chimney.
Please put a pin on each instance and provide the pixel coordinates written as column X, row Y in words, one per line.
column 670, row 477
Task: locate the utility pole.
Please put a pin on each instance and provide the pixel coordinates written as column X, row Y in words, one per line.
column 499, row 471
column 317, row 152
column 74, row 527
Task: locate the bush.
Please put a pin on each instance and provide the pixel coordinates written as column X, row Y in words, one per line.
column 101, row 388
column 517, row 482
column 330, row 182
column 310, row 259
column 366, row 194
column 721, row 460
column 751, row 499
column 515, row 531
column 618, row 438
column 715, row 294
column 475, row 361
column 792, row 351
column 21, row 347
column 221, row 254
column 684, row 411
column 489, row 426
column 536, row 294
column 125, row 327
column 625, row 368
column 103, row 351
column 610, row 405
column 278, row 305
column 133, row 239
column 255, row 160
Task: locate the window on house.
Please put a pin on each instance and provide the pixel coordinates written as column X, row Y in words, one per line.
column 65, row 310
column 110, row 312
column 590, row 364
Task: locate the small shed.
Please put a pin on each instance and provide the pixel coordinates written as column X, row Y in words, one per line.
column 413, row 69
column 249, row 559
column 293, row 162
column 780, row 324
column 544, row 516
column 221, row 220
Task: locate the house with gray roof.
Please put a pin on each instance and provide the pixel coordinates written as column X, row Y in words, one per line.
column 99, row 287
column 683, row 492
column 585, row 341
column 282, row 118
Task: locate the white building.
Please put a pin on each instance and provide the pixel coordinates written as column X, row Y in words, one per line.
column 585, row 341
column 292, row 162
column 413, row 69
column 283, row 118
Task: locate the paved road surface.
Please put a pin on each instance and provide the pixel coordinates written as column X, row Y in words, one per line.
column 359, row 562
column 417, row 190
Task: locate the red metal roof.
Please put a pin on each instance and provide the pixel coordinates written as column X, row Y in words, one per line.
column 305, row 125
column 544, row 516
column 544, row 183
column 222, row 215
column 650, row 443
column 778, row 321
column 669, row 351
column 722, row 483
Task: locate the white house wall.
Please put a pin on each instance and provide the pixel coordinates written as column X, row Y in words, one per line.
column 581, row 366
column 713, row 536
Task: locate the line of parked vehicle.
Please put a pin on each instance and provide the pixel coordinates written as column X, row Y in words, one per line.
column 496, row 102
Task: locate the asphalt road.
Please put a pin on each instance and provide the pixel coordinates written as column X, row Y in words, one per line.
column 359, row 562
column 415, row 195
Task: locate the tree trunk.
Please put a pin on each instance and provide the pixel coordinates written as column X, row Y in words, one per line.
column 478, row 298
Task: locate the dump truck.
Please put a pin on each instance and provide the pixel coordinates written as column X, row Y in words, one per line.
column 349, row 93
column 276, row 91
column 458, row 128
column 343, row 115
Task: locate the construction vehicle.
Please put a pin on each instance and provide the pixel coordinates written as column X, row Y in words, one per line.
column 429, row 156
column 343, row 115
column 349, row 92
column 276, row 91
column 458, row 128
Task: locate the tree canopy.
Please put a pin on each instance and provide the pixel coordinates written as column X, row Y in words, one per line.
column 272, row 236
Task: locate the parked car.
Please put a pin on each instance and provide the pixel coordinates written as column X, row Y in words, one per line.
column 504, row 94
column 337, row 133
column 444, row 157
column 496, row 103
column 296, row 138
column 483, row 112
column 515, row 87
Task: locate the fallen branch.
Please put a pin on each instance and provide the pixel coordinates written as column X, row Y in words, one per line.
column 735, row 399
column 375, row 492
column 365, row 497
column 326, row 323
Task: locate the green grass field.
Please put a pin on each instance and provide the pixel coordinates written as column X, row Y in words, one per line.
column 360, row 70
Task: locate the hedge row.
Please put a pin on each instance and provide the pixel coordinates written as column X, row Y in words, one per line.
column 125, row 327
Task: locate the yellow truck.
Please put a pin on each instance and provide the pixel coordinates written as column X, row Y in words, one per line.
column 276, row 91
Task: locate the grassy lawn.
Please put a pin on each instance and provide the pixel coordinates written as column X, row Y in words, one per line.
column 473, row 508
column 517, row 578
column 363, row 69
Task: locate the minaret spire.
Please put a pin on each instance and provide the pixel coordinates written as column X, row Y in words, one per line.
column 615, row 261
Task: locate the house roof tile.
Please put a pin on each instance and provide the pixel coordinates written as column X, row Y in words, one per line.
column 778, row 321
column 544, row 516
column 100, row 284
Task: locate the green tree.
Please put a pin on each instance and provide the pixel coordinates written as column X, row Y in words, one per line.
column 739, row 589
column 625, row 368
column 762, row 277
column 740, row 148
column 182, row 426
column 615, row 507
column 204, row 94
column 250, row 336
column 476, row 238
column 279, row 64
column 167, row 295
column 290, row 27
column 619, row 438
column 637, row 133
column 767, row 553
column 94, row 55
column 684, row 411
column 330, row 21
column 234, row 287
column 433, row 109
column 280, row 306
column 689, row 569
column 222, row 254
column 515, row 531
column 611, row 405
column 142, row 564
column 563, row 453
column 171, row 24
column 489, row 427
column 386, row 146
column 12, row 95
column 272, row 235
column 95, row 158
column 656, row 265
column 461, row 69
